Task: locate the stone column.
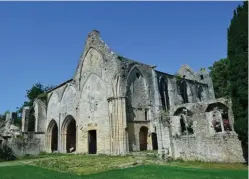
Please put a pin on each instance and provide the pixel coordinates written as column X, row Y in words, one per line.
column 221, row 121
column 25, row 119
column 118, row 125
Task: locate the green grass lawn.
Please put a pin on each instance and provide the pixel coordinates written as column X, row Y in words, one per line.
column 75, row 166
column 140, row 172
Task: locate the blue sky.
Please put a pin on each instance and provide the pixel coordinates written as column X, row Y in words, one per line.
column 42, row 41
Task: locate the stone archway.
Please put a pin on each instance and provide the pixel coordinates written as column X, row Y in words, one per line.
column 52, row 136
column 217, row 114
column 143, row 135
column 69, row 135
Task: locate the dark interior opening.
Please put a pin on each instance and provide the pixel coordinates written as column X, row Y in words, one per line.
column 71, row 136
column 92, row 142
column 31, row 123
column 163, row 89
column 143, row 138
column 54, row 138
column 145, row 115
column 154, row 141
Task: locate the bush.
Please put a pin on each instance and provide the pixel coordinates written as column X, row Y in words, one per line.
column 6, row 153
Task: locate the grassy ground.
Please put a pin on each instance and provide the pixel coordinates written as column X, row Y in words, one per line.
column 102, row 166
column 208, row 165
column 140, row 172
column 88, row 164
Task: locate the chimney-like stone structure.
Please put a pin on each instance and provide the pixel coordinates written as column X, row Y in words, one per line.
column 25, row 119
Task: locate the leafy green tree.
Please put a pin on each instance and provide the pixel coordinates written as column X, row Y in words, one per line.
column 219, row 75
column 238, row 68
column 36, row 91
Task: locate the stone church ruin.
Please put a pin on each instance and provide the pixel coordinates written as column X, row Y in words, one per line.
column 113, row 105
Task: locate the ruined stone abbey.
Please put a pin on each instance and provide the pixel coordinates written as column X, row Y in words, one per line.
column 114, row 105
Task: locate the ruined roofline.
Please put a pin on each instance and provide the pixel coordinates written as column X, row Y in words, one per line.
column 173, row 76
column 58, row 86
column 120, row 57
column 164, row 73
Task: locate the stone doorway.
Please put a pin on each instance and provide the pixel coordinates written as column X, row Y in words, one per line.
column 92, row 142
column 71, row 136
column 143, row 135
column 54, row 138
column 154, row 141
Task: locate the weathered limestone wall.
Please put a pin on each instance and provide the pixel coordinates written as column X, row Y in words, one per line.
column 93, row 114
column 133, row 136
column 220, row 148
column 87, row 101
column 40, row 115
column 95, row 76
column 31, row 144
column 142, row 102
column 25, row 119
column 192, row 90
column 201, row 76
column 118, row 126
column 62, row 104
column 205, row 144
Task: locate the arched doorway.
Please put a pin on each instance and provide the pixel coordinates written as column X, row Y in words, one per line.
column 69, row 135
column 143, row 135
column 54, row 139
column 52, row 136
column 92, row 142
column 154, row 141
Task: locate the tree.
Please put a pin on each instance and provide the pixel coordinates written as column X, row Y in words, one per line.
column 238, row 68
column 36, row 91
column 219, row 75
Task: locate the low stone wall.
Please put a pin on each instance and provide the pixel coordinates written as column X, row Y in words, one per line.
column 219, row 148
column 27, row 144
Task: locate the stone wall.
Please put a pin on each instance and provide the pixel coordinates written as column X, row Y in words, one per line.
column 29, row 143
column 40, row 115
column 204, row 143
column 133, row 135
column 192, row 89
column 86, row 100
column 220, row 148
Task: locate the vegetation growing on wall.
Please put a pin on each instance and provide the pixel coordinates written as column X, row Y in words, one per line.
column 178, row 77
column 203, row 69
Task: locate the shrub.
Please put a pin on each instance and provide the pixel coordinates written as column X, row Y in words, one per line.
column 6, row 153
